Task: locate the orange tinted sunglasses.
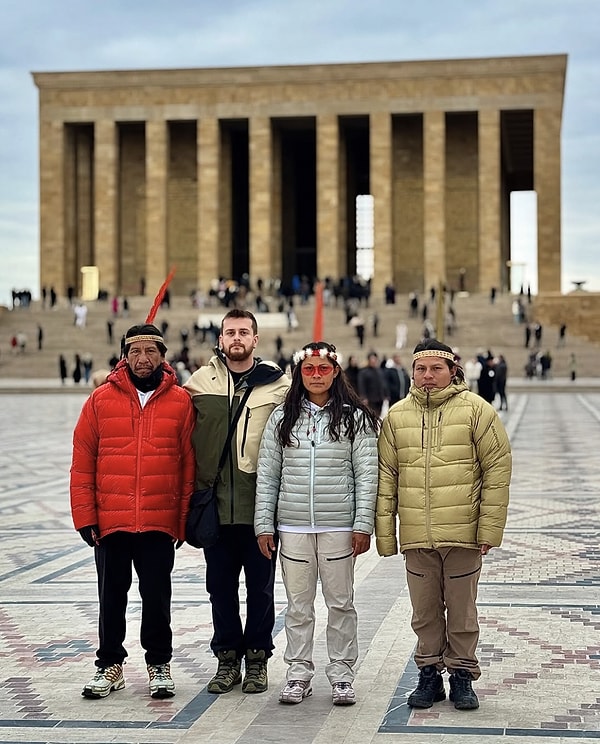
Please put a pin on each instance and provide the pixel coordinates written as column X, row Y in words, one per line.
column 310, row 370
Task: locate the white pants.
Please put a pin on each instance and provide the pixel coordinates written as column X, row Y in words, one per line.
column 304, row 558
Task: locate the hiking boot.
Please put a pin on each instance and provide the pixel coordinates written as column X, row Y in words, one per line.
column 255, row 679
column 228, row 673
column 461, row 692
column 104, row 682
column 159, row 681
column 342, row 693
column 295, row 691
column 429, row 690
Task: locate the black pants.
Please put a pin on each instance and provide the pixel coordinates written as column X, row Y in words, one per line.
column 152, row 554
column 237, row 549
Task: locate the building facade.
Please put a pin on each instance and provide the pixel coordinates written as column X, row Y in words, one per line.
column 226, row 171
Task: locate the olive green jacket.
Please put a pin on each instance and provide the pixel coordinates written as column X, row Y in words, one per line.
column 444, row 470
column 216, row 400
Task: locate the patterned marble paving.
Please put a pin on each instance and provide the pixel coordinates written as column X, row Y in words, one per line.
column 539, row 610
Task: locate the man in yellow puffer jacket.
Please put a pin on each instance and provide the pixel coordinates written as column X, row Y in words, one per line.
column 444, row 469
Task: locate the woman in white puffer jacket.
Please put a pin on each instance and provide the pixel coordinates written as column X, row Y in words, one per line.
column 317, row 474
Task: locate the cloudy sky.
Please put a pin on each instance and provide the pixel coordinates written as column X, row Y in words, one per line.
column 65, row 35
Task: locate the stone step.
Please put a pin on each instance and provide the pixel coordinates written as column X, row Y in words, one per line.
column 480, row 325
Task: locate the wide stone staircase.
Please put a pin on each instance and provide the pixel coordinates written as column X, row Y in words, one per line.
column 480, row 325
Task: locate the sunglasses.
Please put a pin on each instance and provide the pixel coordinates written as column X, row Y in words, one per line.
column 310, row 370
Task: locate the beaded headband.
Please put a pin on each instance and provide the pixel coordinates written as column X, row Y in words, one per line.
column 144, row 337
column 322, row 353
column 434, row 353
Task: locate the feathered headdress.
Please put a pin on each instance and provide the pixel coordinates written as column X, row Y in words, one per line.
column 159, row 297
column 149, row 334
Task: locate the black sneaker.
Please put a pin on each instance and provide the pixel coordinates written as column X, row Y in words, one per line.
column 429, row 690
column 461, row 692
column 228, row 673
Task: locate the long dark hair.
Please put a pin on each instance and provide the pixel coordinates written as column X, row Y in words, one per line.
column 342, row 405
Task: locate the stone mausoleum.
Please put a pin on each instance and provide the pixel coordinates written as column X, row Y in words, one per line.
column 226, row 171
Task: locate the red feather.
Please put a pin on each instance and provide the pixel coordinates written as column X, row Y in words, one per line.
column 159, row 297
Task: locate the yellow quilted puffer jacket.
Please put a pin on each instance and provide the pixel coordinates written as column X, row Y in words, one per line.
column 444, row 468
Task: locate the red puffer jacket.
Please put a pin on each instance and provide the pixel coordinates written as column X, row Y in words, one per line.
column 133, row 468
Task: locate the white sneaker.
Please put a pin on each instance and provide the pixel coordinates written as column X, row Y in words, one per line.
column 104, row 682
column 342, row 693
column 295, row 691
column 159, row 681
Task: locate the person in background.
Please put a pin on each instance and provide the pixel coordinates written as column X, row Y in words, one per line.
column 372, row 386
column 562, row 335
column 77, row 370
column 216, row 390
column 62, row 368
column 316, row 487
column 397, row 379
column 351, row 372
column 501, row 374
column 132, row 476
column 473, row 368
column 444, row 475
column 486, row 385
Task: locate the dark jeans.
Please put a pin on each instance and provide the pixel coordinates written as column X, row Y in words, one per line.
column 152, row 554
column 237, row 549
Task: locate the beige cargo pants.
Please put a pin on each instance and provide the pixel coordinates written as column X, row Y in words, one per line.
column 442, row 584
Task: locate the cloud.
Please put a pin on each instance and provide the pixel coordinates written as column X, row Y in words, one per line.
column 74, row 35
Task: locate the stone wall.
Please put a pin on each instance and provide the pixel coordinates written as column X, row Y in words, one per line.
column 580, row 311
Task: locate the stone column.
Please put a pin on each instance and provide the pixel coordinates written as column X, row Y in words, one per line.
column 105, row 204
column 329, row 258
column 156, row 205
column 546, row 159
column 261, row 198
column 434, row 218
column 490, row 248
column 380, row 150
column 211, row 262
column 52, row 205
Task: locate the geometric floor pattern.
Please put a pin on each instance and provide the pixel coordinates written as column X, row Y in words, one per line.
column 539, row 611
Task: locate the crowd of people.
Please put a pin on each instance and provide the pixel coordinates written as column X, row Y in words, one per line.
column 310, row 468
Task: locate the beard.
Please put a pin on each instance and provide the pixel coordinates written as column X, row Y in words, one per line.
column 238, row 353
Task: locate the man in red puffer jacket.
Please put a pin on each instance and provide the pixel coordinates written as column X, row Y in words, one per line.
column 132, row 476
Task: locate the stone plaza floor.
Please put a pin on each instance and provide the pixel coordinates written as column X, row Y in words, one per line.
column 539, row 605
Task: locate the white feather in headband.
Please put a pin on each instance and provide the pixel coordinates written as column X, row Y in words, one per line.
column 321, row 353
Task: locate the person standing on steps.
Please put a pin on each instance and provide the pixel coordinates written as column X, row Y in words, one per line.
column 216, row 390
column 62, row 368
column 444, row 471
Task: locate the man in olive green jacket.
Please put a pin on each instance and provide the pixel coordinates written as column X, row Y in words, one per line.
column 444, row 469
column 216, row 391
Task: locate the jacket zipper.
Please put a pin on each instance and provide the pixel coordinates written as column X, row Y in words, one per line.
column 247, row 418
column 138, row 464
column 427, row 435
column 312, row 475
column 140, row 423
column 230, row 458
